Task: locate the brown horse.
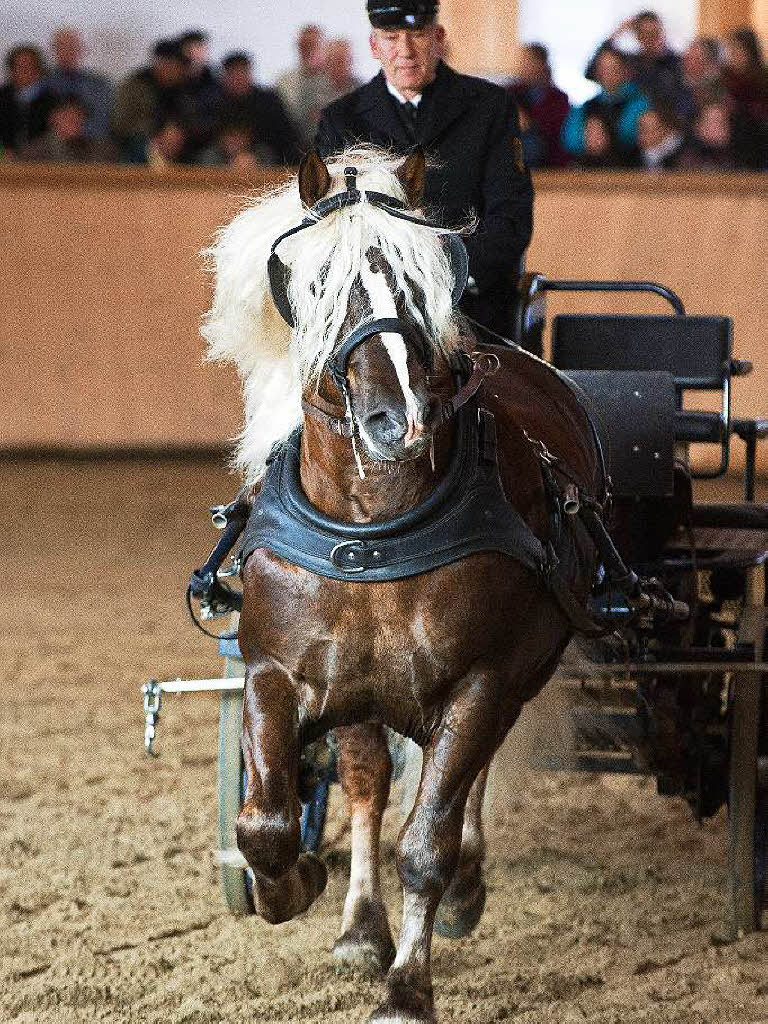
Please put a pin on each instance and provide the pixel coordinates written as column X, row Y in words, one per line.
column 445, row 656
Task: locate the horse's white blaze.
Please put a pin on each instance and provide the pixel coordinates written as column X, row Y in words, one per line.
column 383, row 305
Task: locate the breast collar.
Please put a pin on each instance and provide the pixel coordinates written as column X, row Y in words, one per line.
column 467, row 513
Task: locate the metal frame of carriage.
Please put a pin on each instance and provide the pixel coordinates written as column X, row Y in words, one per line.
column 721, row 686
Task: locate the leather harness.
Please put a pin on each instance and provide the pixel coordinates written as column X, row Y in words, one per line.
column 465, row 514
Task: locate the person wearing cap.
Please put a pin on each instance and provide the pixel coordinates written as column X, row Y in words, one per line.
column 469, row 130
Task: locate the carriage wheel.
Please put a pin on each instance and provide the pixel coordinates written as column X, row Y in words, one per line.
column 235, row 882
column 748, row 771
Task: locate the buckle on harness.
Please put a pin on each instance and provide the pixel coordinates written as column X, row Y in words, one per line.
column 356, row 556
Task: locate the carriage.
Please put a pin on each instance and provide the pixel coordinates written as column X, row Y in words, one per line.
column 683, row 700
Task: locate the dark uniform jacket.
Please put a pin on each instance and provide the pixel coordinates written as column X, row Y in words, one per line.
column 20, row 123
column 470, row 127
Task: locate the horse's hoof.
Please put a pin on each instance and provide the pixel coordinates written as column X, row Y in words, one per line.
column 363, row 953
column 366, row 942
column 407, row 1002
column 458, row 915
column 393, row 1012
column 314, row 875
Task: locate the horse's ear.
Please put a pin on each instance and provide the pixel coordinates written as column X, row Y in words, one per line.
column 410, row 174
column 314, row 179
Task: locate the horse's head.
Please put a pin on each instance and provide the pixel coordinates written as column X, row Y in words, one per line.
column 326, row 256
column 384, row 357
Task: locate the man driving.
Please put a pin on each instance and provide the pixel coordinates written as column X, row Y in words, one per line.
column 470, row 133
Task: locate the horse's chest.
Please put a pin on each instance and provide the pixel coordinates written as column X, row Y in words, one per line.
column 381, row 645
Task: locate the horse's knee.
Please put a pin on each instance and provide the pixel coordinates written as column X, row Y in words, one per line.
column 428, row 852
column 269, row 841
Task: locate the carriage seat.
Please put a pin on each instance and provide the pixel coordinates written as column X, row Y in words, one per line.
column 696, row 350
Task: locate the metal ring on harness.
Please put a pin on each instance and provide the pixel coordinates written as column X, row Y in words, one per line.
column 279, row 274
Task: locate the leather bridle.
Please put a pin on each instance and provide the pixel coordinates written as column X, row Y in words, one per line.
column 469, row 371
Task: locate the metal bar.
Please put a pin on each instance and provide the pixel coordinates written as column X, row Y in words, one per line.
column 615, row 286
column 666, row 668
column 203, row 685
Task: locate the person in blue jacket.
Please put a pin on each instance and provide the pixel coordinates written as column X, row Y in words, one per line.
column 619, row 104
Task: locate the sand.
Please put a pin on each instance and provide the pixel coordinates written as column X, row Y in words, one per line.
column 606, row 902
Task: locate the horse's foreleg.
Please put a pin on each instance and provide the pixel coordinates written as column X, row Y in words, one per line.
column 430, row 843
column 364, row 769
column 462, row 904
column 285, row 881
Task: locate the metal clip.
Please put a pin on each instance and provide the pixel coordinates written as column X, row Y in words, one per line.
column 571, row 500
column 152, row 700
column 219, row 516
column 233, row 569
column 487, row 362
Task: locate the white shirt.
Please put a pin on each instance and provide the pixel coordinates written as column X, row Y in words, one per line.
column 654, row 157
column 399, row 97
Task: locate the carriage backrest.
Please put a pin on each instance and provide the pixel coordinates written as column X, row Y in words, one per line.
column 633, row 412
column 696, row 350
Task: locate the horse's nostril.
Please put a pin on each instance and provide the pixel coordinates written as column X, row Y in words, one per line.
column 386, row 426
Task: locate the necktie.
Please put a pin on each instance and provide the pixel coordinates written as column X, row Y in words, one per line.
column 411, row 111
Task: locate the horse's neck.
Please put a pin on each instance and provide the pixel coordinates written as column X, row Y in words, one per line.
column 331, row 481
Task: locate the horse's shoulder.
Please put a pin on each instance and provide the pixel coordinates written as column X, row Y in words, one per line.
column 527, row 396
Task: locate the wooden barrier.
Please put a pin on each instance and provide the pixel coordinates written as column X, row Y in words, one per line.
column 103, row 288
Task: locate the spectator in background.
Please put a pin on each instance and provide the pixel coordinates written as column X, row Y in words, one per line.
column 166, row 145
column 661, row 141
column 531, row 139
column 150, row 96
column 746, row 79
column 711, row 147
column 598, row 151
column 338, row 67
column 69, row 78
column 654, row 66
column 234, row 148
column 202, row 87
column 702, row 75
column 243, row 102
column 25, row 99
column 619, row 105
column 545, row 107
column 67, row 140
column 306, row 89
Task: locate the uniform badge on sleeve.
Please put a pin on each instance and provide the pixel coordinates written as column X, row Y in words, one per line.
column 517, row 150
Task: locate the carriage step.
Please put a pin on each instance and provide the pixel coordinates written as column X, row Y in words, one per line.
column 606, row 762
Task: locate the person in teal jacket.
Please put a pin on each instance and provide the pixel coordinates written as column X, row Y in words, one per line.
column 619, row 104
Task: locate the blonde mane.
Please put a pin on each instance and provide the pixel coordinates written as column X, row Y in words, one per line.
column 244, row 327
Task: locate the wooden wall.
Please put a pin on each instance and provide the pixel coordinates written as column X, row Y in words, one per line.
column 103, row 288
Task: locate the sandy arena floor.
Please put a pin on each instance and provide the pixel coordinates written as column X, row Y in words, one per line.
column 605, row 901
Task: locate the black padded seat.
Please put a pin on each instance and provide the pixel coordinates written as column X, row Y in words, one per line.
column 696, row 350
column 696, row 427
